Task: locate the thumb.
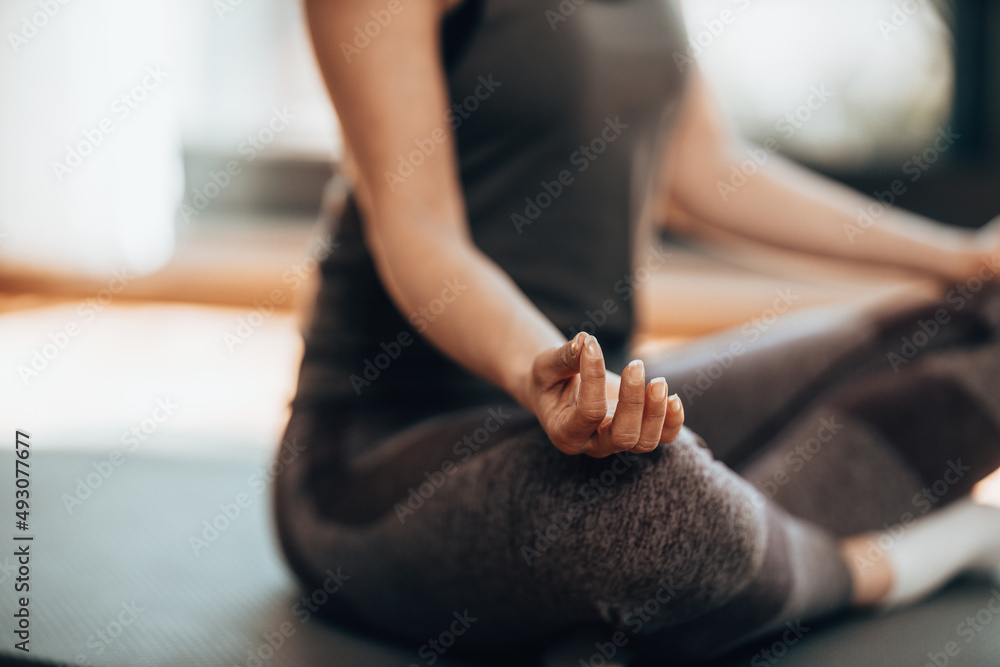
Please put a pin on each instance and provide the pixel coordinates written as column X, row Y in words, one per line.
column 559, row 363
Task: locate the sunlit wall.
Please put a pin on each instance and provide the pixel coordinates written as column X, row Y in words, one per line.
column 840, row 83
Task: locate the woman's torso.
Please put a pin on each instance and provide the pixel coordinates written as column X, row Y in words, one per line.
column 559, row 110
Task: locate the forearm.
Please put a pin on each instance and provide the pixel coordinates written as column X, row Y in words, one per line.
column 464, row 304
column 788, row 206
column 416, row 230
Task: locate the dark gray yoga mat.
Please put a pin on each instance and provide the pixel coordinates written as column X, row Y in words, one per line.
column 119, row 582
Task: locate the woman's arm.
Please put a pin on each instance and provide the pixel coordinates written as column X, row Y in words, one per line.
column 391, row 98
column 786, row 205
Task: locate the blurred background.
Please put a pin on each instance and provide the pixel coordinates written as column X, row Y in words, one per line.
column 161, row 176
column 163, row 165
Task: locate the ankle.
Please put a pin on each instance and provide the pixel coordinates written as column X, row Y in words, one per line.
column 872, row 576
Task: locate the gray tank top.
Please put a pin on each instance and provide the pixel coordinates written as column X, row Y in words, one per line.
column 559, row 109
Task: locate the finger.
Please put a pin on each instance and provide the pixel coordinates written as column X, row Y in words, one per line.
column 674, row 419
column 559, row 363
column 592, row 401
column 653, row 416
column 626, row 426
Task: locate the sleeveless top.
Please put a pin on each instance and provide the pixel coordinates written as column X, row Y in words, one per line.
column 559, row 109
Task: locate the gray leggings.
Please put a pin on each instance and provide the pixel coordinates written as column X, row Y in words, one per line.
column 470, row 529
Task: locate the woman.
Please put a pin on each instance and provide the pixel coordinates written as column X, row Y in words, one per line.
column 474, row 470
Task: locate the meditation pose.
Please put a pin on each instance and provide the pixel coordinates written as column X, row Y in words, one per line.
column 474, row 446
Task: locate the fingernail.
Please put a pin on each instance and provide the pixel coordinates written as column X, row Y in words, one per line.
column 675, row 403
column 636, row 372
column 592, row 346
column 658, row 388
column 574, row 345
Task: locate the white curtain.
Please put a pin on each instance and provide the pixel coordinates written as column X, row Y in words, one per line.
column 90, row 150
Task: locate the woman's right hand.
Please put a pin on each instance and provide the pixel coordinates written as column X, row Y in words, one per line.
column 568, row 392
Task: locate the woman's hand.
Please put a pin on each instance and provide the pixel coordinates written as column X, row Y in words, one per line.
column 586, row 409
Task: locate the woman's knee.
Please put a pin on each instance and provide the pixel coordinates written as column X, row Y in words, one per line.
column 611, row 532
